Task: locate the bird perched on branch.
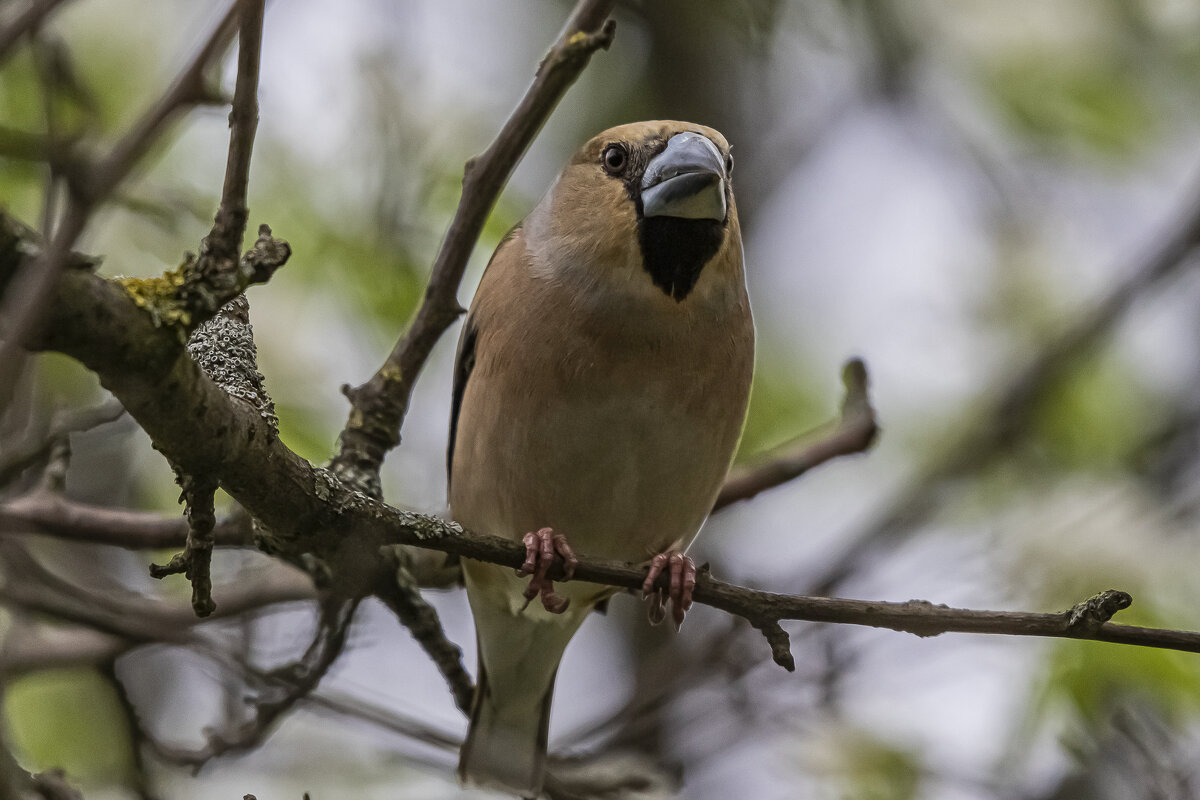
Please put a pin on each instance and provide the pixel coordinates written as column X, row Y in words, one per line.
column 599, row 393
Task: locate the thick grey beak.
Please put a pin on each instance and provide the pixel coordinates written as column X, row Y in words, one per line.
column 686, row 180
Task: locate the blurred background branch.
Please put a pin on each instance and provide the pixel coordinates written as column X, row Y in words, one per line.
column 24, row 300
column 23, row 22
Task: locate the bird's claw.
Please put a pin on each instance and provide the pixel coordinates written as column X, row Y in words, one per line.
column 681, row 572
column 541, row 550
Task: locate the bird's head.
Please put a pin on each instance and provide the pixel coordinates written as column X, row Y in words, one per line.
column 648, row 202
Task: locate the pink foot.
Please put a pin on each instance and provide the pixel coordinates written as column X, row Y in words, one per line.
column 682, row 581
column 541, row 550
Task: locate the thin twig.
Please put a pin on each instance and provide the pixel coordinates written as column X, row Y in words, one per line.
column 387, row 719
column 379, row 405
column 763, row 608
column 132, row 615
column 399, row 592
column 225, row 240
column 31, row 586
column 47, row 55
column 856, row 431
column 195, row 561
column 190, row 88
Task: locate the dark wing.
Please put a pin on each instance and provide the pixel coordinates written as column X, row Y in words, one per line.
column 464, row 362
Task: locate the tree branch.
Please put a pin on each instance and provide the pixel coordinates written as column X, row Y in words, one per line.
column 855, row 433
column 398, row 590
column 764, row 610
column 379, row 405
column 93, row 628
column 225, row 240
column 52, row 514
column 195, row 562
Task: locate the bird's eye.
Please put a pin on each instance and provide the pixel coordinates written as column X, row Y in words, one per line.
column 614, row 159
column 728, row 165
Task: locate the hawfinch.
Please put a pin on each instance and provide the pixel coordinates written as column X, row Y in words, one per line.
column 599, row 392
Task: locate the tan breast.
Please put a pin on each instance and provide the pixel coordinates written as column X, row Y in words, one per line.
column 612, row 419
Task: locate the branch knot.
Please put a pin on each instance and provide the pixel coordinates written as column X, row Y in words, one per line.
column 1090, row 614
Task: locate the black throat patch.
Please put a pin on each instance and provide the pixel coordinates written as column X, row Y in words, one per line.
column 675, row 250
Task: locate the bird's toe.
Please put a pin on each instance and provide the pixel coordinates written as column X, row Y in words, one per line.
column 542, row 549
column 681, row 584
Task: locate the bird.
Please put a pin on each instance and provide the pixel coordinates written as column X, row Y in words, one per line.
column 600, row 390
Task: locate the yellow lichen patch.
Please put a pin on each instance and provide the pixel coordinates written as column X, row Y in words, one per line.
column 392, row 373
column 161, row 297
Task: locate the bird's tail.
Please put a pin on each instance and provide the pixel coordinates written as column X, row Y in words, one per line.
column 506, row 743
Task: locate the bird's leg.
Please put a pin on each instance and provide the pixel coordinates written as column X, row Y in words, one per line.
column 541, row 548
column 681, row 571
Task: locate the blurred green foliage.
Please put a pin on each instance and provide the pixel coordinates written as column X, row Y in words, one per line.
column 1098, row 107
column 70, row 719
column 21, row 180
column 879, row 770
column 1095, row 679
column 783, row 402
column 861, row 765
column 21, row 97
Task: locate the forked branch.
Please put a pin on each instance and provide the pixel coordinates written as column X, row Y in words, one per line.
column 379, row 405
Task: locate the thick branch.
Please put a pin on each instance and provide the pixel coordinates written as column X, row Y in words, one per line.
column 378, row 406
